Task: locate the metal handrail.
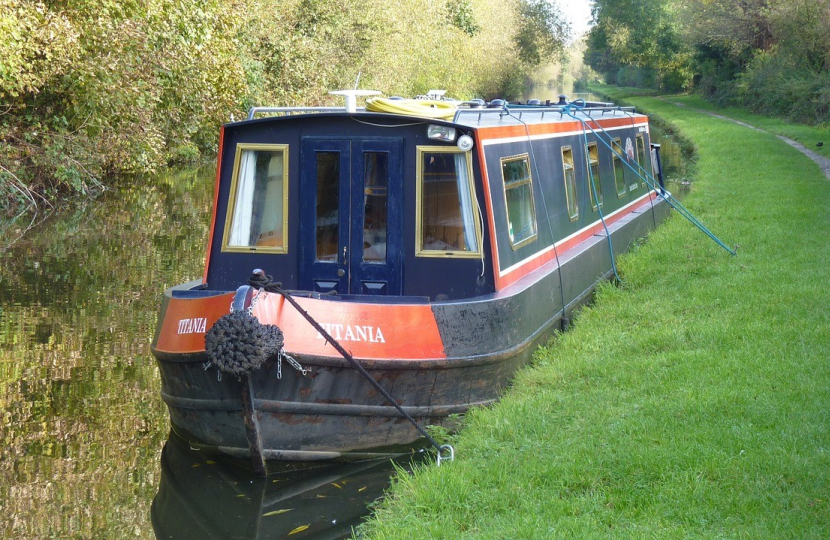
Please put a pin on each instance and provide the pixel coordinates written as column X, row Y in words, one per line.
column 533, row 109
column 291, row 110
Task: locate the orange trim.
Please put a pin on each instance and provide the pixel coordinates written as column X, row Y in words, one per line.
column 367, row 331
column 215, row 202
column 186, row 320
column 552, row 128
column 488, row 214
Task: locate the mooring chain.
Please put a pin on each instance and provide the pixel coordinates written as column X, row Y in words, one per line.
column 291, row 361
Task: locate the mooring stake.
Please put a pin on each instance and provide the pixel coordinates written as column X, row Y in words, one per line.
column 252, row 426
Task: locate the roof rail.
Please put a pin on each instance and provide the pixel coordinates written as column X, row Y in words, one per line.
column 253, row 111
column 540, row 111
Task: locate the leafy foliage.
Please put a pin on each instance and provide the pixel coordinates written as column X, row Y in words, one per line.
column 92, row 90
column 770, row 55
column 542, row 31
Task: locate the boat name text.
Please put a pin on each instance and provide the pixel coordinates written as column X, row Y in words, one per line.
column 347, row 332
column 197, row 325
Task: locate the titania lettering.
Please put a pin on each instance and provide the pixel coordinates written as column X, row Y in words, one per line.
column 345, row 332
column 197, row 325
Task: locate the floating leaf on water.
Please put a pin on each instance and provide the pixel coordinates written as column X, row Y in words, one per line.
column 277, row 512
column 301, row 528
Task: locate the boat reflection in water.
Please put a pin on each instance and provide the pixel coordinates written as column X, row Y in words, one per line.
column 204, row 497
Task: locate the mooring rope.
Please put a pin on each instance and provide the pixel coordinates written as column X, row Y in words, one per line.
column 564, row 319
column 260, row 280
column 645, row 176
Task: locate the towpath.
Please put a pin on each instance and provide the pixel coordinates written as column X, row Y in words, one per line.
column 823, row 162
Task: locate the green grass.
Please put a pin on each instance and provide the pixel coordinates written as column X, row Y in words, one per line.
column 692, row 402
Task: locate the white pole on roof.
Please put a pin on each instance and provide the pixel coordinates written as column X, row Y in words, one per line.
column 351, row 97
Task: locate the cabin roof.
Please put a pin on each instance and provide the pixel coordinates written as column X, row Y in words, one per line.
column 481, row 116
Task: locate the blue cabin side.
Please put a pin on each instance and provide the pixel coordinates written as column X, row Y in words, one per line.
column 390, row 206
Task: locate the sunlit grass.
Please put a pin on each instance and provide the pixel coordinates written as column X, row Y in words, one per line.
column 691, row 402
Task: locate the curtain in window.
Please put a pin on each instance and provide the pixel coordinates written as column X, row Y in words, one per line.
column 463, row 183
column 242, row 212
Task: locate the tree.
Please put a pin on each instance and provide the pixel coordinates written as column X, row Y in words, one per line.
column 542, row 32
column 642, row 40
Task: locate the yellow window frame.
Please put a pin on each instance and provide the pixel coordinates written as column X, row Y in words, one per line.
column 241, row 148
column 618, row 167
column 592, row 157
column 641, row 155
column 569, row 177
column 420, row 250
column 528, row 180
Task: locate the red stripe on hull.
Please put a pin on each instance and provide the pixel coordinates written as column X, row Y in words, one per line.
column 215, row 202
column 540, row 259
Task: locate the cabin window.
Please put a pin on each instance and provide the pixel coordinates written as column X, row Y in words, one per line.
column 619, row 168
column 518, row 194
column 446, row 204
column 570, row 182
column 593, row 167
column 641, row 155
column 258, row 207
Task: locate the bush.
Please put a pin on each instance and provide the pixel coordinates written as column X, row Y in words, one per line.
column 95, row 89
column 773, row 84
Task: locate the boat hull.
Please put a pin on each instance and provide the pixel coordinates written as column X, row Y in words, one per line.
column 444, row 359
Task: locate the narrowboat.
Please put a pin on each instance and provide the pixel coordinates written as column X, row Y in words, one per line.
column 436, row 242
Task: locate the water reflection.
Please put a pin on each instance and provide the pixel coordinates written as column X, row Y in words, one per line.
column 203, row 498
column 82, row 423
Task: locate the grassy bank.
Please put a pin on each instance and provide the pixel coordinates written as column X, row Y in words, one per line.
column 692, row 402
column 809, row 136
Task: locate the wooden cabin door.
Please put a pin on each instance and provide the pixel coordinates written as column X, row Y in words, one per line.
column 350, row 218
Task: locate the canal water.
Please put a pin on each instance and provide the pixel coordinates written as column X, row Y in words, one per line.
column 86, row 449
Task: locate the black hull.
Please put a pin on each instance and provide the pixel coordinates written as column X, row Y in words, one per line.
column 334, row 413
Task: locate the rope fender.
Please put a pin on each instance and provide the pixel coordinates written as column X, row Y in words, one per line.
column 239, row 344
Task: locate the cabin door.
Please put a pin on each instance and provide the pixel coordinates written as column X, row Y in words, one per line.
column 350, row 215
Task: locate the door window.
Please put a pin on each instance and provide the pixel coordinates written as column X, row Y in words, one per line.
column 375, row 205
column 328, row 205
